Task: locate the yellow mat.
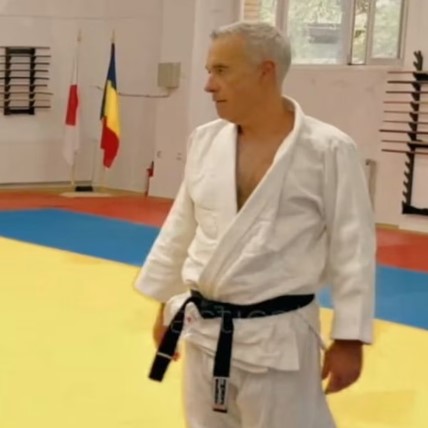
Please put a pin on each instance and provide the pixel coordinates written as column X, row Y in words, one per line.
column 75, row 349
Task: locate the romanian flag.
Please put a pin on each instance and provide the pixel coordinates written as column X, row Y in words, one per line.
column 110, row 114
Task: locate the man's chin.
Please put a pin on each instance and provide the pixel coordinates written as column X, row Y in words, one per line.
column 222, row 114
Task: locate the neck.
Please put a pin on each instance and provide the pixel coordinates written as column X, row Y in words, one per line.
column 269, row 119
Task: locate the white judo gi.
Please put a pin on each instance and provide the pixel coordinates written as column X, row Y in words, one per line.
column 308, row 223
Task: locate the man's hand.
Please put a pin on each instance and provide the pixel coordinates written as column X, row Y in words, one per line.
column 343, row 363
column 159, row 330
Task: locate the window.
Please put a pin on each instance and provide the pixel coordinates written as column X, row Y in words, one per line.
column 387, row 29
column 260, row 10
column 377, row 31
column 336, row 31
column 317, row 30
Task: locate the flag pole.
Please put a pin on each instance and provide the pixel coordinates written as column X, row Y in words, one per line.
column 73, row 173
column 104, row 170
column 76, row 58
column 72, row 170
column 105, row 96
column 103, row 176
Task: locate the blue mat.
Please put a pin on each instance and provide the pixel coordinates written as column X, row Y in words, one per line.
column 402, row 295
column 87, row 234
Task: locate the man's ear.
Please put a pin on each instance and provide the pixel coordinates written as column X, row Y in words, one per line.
column 268, row 68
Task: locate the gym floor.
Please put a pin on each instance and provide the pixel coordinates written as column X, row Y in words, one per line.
column 76, row 344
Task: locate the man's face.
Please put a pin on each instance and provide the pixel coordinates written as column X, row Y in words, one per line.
column 235, row 83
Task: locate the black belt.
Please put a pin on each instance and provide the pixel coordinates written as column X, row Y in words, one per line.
column 227, row 312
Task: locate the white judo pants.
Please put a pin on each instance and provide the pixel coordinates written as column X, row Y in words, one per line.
column 273, row 399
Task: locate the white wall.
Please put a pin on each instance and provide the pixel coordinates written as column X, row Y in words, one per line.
column 354, row 97
column 185, row 38
column 171, row 114
column 30, row 147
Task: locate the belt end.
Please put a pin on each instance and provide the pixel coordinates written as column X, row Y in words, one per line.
column 159, row 366
column 220, row 394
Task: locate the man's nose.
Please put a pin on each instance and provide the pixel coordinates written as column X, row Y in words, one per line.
column 211, row 85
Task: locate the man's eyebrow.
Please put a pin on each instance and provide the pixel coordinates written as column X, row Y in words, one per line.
column 214, row 66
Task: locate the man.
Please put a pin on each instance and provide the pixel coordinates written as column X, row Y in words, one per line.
column 273, row 206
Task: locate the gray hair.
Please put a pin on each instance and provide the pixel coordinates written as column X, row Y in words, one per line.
column 264, row 42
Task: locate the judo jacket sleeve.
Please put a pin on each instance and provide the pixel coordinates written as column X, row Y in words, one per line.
column 351, row 235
